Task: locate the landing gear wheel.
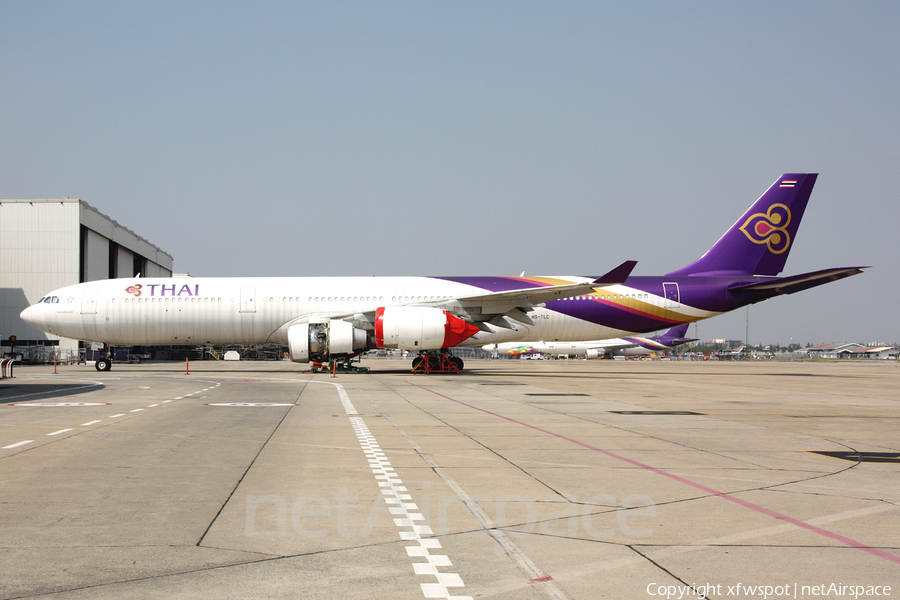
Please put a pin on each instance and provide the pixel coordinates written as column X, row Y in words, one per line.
column 429, row 363
column 103, row 364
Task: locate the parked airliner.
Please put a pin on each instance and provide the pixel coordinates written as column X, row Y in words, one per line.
column 628, row 346
column 335, row 317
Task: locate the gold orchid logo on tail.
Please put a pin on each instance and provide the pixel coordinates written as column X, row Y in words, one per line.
column 770, row 228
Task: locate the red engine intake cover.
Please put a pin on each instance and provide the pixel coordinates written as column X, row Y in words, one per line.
column 457, row 331
column 419, row 327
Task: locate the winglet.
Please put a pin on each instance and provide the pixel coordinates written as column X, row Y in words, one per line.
column 617, row 275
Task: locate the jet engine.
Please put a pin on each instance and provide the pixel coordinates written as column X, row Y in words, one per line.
column 419, row 328
column 318, row 341
column 592, row 353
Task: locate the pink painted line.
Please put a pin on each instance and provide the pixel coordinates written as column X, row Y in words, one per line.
column 760, row 509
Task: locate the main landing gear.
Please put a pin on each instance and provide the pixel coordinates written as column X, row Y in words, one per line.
column 437, row 362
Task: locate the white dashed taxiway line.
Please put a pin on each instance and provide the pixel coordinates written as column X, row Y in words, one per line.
column 17, row 445
column 412, row 524
column 89, row 423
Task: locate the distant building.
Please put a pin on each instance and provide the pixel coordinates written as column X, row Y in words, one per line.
column 852, row 350
column 49, row 244
column 877, row 352
column 724, row 345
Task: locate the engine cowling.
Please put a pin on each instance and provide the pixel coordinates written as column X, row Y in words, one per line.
column 592, row 353
column 320, row 340
column 419, row 328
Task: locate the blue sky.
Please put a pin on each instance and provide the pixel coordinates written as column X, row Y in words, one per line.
column 469, row 138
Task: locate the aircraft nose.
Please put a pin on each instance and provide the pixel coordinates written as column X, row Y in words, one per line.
column 31, row 315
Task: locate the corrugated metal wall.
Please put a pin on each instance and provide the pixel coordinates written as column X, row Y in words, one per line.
column 49, row 244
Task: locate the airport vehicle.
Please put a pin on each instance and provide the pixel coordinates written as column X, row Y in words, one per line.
column 323, row 317
column 628, row 346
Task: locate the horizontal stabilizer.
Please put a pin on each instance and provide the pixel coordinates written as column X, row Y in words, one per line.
column 798, row 283
column 617, row 275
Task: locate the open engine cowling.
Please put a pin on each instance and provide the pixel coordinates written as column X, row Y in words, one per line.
column 318, row 341
column 419, row 328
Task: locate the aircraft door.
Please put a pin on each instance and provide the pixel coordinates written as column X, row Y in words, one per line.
column 673, row 297
column 89, row 302
column 248, row 300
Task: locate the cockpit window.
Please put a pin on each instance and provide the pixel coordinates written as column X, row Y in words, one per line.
column 55, row 300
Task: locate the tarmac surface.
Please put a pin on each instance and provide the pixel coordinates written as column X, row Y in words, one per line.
column 515, row 479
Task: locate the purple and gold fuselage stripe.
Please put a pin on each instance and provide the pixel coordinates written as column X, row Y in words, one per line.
column 641, row 308
column 646, row 343
column 641, row 316
column 505, row 284
column 614, row 313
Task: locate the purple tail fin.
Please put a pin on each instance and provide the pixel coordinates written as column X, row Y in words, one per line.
column 675, row 336
column 759, row 242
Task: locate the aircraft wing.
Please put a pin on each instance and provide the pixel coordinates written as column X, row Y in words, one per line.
column 533, row 296
column 497, row 308
column 798, row 283
column 612, row 345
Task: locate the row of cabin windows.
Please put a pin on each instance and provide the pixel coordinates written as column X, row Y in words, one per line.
column 347, row 299
column 611, row 297
column 55, row 299
column 375, row 298
column 430, row 298
column 166, row 300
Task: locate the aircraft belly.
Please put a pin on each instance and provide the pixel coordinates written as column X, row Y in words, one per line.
column 564, row 327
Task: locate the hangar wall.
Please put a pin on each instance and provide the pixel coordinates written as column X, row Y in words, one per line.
column 49, row 244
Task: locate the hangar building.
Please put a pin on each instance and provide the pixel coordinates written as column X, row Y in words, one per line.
column 49, row 244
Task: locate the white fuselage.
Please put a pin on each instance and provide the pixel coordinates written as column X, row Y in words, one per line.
column 188, row 310
column 620, row 346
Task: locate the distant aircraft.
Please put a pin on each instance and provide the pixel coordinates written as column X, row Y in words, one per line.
column 319, row 318
column 732, row 353
column 629, row 346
